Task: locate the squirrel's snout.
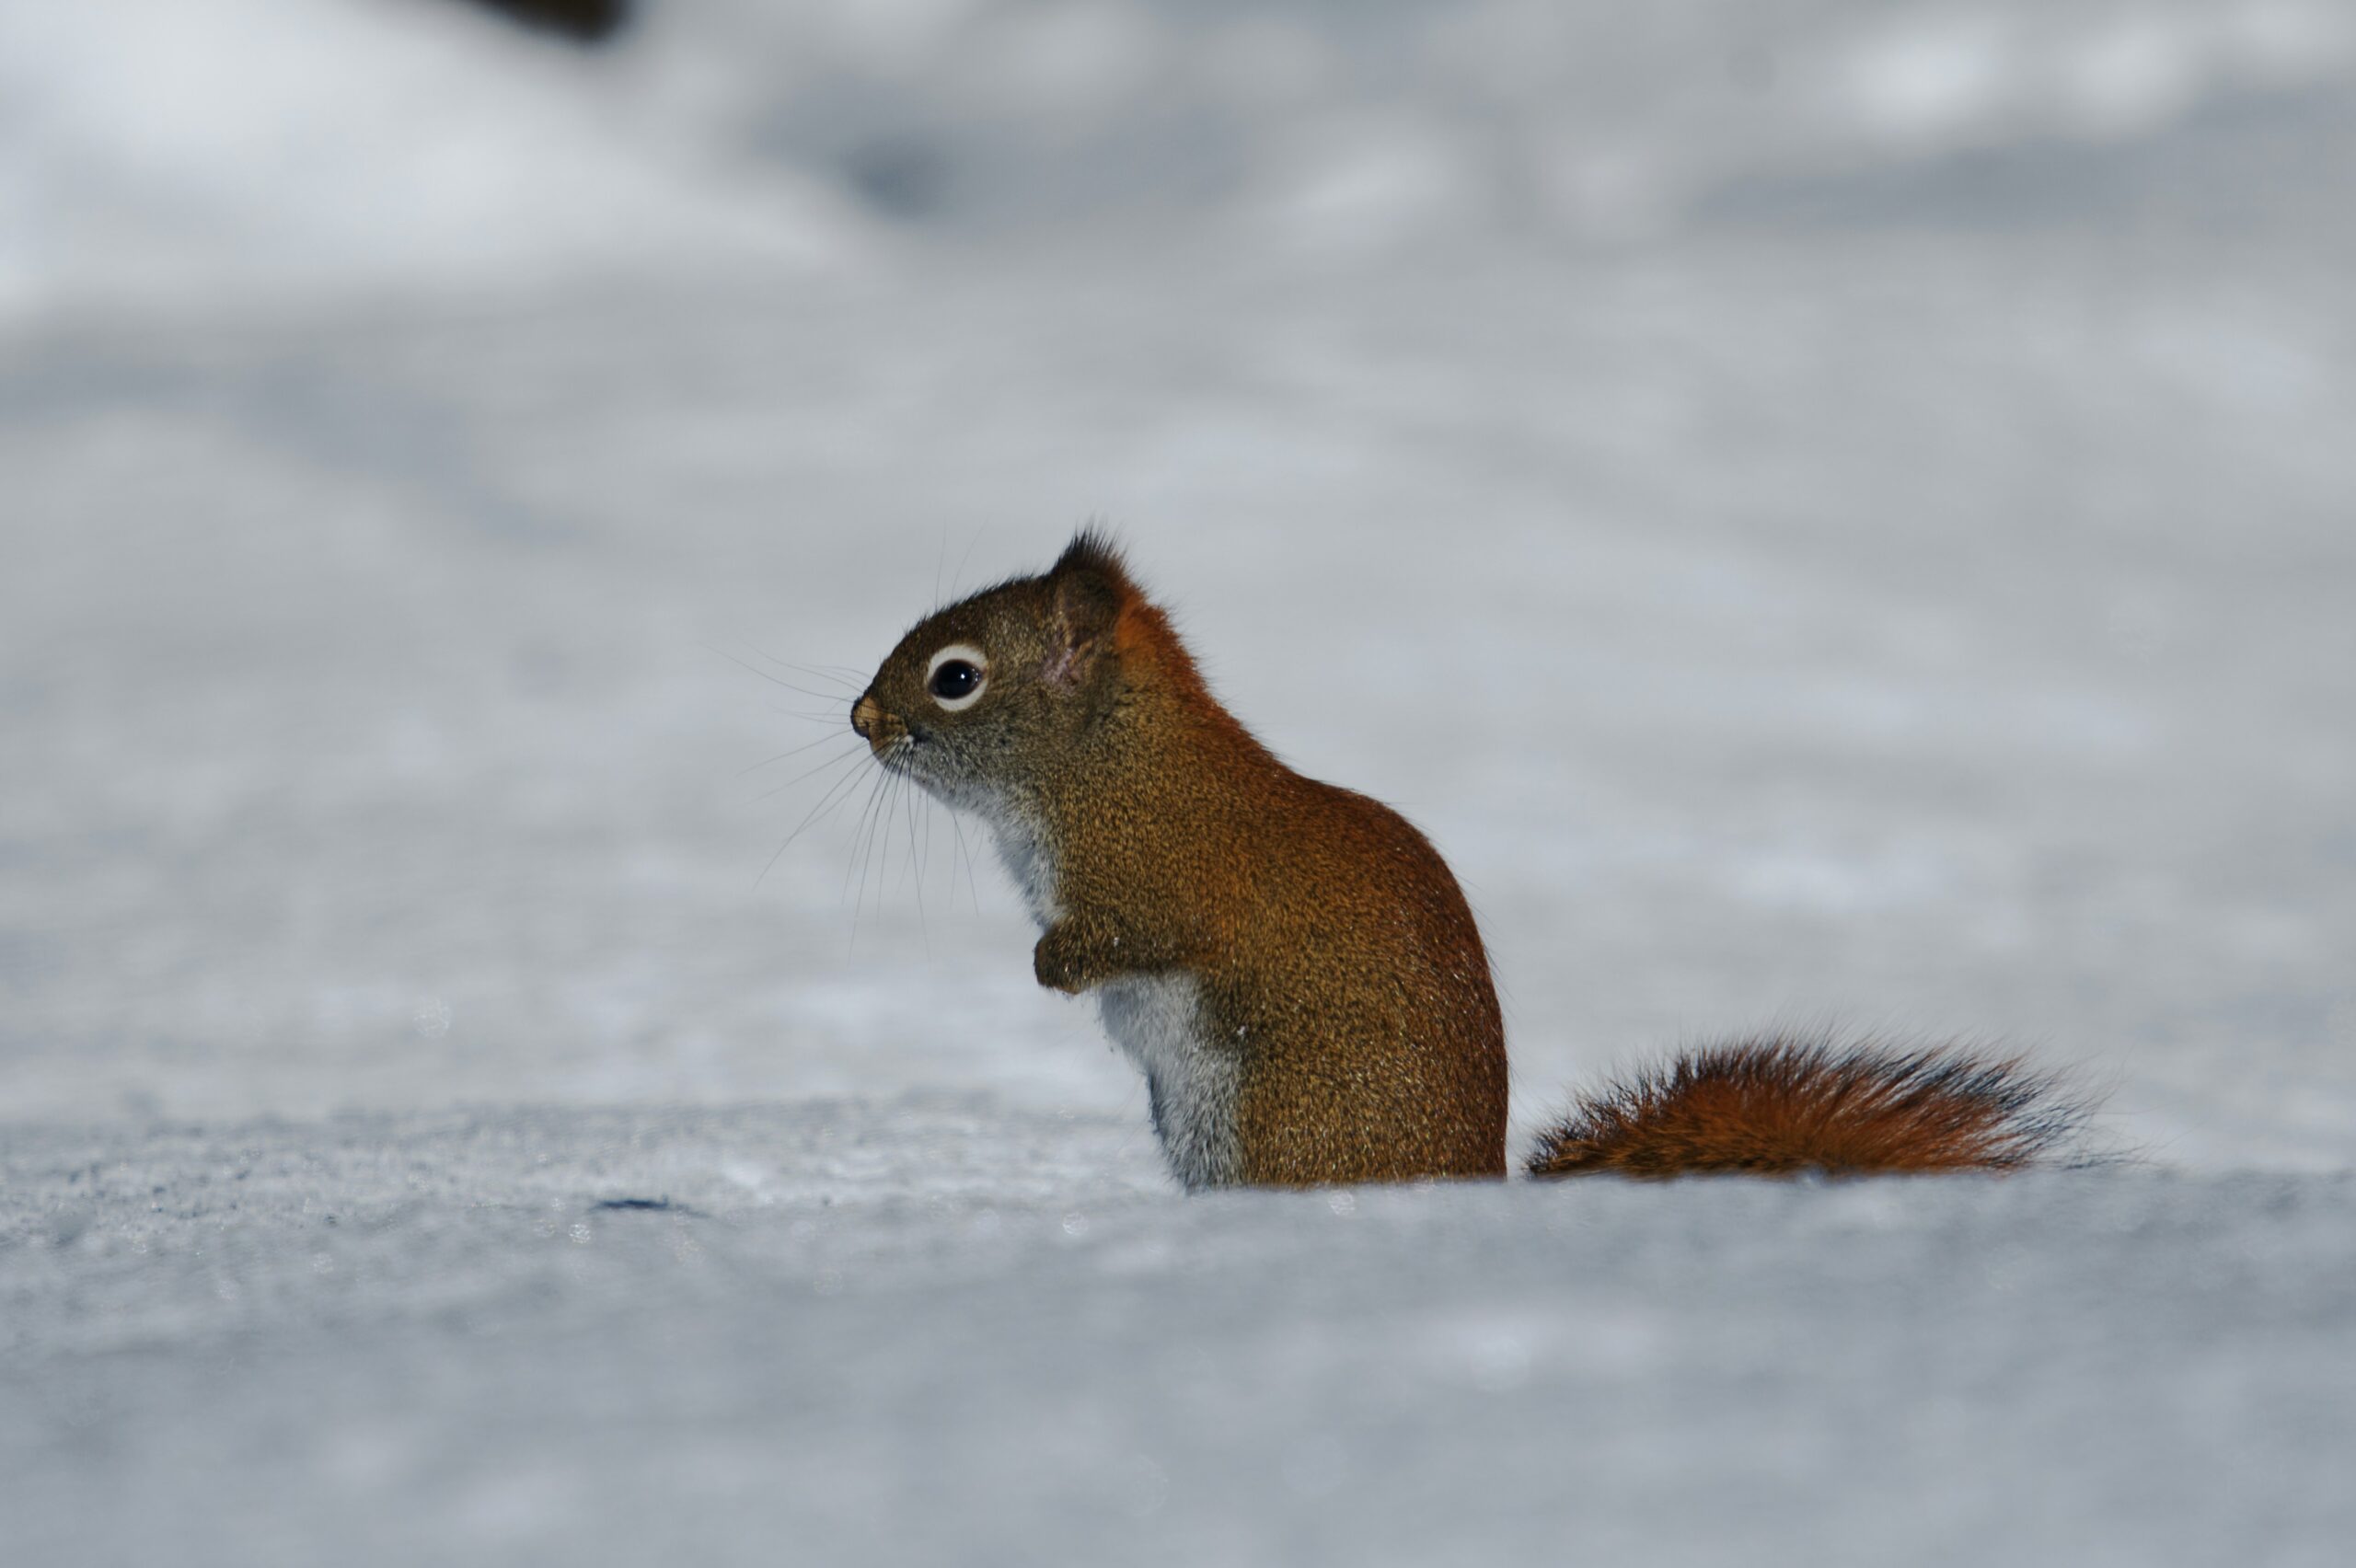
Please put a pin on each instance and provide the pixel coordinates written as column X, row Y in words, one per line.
column 864, row 716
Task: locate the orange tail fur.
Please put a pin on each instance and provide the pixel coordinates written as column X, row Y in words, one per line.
column 1776, row 1106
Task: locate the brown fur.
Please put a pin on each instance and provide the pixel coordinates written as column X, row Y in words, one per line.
column 1343, row 987
column 1777, row 1107
column 1336, row 954
column 1333, row 943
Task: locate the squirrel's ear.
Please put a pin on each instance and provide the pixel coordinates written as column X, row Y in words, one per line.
column 1081, row 629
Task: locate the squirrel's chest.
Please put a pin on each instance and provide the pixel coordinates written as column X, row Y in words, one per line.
column 1160, row 1023
column 1024, row 855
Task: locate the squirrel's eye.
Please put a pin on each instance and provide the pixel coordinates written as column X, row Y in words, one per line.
column 957, row 676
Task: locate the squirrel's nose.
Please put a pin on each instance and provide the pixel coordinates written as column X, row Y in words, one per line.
column 864, row 717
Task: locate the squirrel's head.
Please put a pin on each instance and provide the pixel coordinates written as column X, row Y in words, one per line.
column 991, row 694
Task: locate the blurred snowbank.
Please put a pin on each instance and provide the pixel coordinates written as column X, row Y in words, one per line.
column 152, row 148
column 249, row 148
column 1345, row 127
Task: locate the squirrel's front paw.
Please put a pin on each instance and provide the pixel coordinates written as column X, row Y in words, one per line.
column 1056, row 961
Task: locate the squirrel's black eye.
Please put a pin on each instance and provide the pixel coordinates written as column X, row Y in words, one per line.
column 956, row 676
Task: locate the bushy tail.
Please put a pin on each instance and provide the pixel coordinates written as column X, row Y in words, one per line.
column 1778, row 1106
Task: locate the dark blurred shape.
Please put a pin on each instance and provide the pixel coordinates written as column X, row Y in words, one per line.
column 590, row 21
column 905, row 175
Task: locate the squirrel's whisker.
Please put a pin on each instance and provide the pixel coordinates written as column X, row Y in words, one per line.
column 797, row 751
column 966, row 855
column 836, row 792
column 879, row 845
column 832, row 761
column 908, row 818
column 813, row 771
column 959, row 579
column 859, row 831
column 834, row 674
column 831, row 717
column 752, row 669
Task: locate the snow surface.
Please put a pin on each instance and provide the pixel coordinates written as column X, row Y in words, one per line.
column 1828, row 512
column 943, row 1332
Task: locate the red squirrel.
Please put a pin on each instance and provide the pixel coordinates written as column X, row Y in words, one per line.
column 1293, row 966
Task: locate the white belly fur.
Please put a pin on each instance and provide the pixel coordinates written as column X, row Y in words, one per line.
column 1027, row 862
column 1158, row 1023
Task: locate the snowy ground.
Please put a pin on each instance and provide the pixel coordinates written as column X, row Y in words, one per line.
column 943, row 1332
column 1838, row 515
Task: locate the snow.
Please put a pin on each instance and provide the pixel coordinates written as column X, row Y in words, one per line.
column 934, row 1330
column 266, row 148
column 1831, row 516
